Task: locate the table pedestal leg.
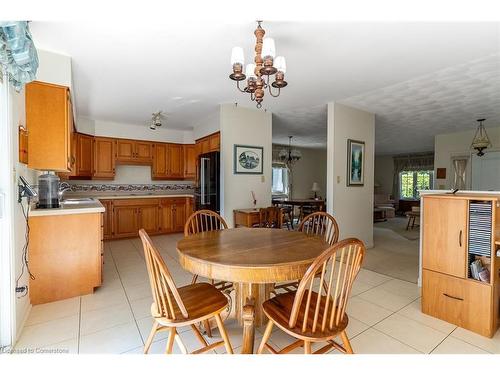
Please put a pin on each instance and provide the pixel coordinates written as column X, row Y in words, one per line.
column 248, row 326
column 259, row 293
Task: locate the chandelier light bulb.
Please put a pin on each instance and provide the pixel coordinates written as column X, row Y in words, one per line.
column 237, row 56
column 268, row 48
column 280, row 64
column 250, row 71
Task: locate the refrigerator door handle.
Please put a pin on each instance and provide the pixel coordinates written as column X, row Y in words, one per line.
column 209, row 182
column 203, row 181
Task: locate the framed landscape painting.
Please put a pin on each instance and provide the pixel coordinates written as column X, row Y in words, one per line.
column 248, row 159
column 355, row 163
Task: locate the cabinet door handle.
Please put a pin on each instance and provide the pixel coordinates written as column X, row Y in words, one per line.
column 457, row 298
column 460, row 238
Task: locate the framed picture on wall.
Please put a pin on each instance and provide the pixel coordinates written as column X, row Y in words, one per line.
column 248, row 159
column 355, row 163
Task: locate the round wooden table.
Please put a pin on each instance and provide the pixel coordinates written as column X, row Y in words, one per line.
column 252, row 258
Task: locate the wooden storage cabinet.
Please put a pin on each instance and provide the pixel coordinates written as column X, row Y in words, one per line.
column 49, row 120
column 104, row 158
column 168, row 161
column 446, row 232
column 84, row 155
column 209, row 143
column 133, row 152
column 124, row 217
column 465, row 303
column 190, row 160
column 23, row 146
column 159, row 170
column 458, row 229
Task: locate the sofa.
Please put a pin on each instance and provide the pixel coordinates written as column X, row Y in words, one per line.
column 384, row 202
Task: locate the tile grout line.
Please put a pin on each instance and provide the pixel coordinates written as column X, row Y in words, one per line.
column 79, row 326
column 126, row 296
column 448, row 335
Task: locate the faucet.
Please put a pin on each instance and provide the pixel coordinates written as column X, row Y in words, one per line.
column 63, row 187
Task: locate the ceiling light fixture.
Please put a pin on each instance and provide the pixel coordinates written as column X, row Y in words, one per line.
column 288, row 155
column 156, row 120
column 258, row 74
column 480, row 141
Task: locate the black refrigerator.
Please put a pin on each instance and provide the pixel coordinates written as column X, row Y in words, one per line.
column 207, row 191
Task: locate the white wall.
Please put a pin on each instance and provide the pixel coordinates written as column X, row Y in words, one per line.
column 352, row 206
column 384, row 173
column 133, row 131
column 209, row 125
column 449, row 145
column 54, row 68
column 310, row 168
column 239, row 125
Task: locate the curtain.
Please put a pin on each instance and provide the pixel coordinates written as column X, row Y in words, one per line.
column 410, row 162
column 18, row 57
column 459, row 167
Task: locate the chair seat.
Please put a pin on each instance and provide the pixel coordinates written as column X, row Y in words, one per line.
column 202, row 301
column 279, row 309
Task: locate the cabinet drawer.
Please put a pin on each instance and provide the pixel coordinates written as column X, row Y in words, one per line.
column 136, row 202
column 463, row 302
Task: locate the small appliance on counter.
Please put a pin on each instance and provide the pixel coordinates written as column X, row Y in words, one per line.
column 50, row 190
column 207, row 193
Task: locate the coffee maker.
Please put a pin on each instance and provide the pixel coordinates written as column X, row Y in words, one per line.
column 48, row 190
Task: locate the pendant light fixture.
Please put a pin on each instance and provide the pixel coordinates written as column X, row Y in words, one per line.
column 480, row 141
column 289, row 156
column 258, row 75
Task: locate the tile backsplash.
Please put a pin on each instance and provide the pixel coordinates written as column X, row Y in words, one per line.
column 158, row 188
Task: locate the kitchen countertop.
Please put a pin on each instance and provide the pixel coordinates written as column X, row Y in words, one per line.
column 87, row 207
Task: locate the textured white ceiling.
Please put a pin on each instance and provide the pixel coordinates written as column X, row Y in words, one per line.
column 123, row 72
column 411, row 113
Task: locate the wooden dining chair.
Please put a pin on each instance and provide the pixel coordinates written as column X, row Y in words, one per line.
column 207, row 221
column 179, row 307
column 317, row 316
column 271, row 217
column 319, row 224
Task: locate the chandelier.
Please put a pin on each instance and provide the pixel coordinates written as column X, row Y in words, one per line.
column 258, row 74
column 480, row 140
column 289, row 155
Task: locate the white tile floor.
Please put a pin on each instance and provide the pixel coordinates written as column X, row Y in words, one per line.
column 384, row 314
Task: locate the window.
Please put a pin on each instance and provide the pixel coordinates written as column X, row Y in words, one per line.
column 280, row 179
column 410, row 182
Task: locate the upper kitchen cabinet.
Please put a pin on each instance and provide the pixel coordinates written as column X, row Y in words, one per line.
column 209, row 143
column 49, row 120
column 104, row 158
column 190, row 158
column 133, row 152
column 214, row 142
column 82, row 157
column 168, row 161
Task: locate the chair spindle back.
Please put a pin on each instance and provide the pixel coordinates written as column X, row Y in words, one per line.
column 165, row 294
column 204, row 221
column 338, row 267
column 321, row 224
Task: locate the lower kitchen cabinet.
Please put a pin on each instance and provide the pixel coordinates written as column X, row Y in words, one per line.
column 124, row 217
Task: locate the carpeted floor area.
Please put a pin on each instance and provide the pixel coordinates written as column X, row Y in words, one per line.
column 398, row 225
column 393, row 255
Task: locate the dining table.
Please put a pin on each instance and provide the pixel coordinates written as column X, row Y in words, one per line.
column 299, row 202
column 254, row 260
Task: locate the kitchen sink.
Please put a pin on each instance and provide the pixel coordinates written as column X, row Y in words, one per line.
column 77, row 200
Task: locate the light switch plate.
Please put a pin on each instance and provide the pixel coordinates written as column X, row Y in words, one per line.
column 263, row 178
column 338, row 179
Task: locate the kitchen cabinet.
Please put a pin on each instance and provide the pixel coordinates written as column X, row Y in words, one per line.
column 124, row 217
column 173, row 215
column 84, row 155
column 175, row 161
column 130, row 215
column 204, row 145
column 129, row 151
column 168, row 161
column 107, row 219
column 49, row 120
column 190, row 160
column 214, row 142
column 65, row 254
column 104, row 158
column 23, row 146
column 125, row 221
column 159, row 170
